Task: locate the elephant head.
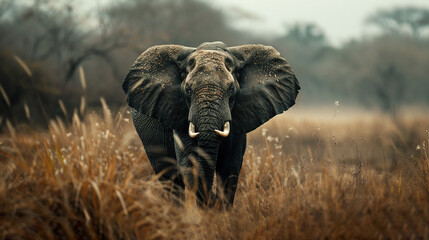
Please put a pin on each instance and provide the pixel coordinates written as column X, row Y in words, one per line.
column 211, row 92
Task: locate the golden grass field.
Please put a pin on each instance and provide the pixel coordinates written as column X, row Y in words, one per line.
column 303, row 177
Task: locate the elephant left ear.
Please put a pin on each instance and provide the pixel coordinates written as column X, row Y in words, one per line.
column 153, row 85
column 268, row 86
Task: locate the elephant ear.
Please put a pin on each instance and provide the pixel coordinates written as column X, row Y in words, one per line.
column 153, row 85
column 268, row 86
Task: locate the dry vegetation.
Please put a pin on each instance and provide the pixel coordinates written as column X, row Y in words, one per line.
column 301, row 178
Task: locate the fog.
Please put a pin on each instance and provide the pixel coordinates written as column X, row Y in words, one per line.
column 340, row 20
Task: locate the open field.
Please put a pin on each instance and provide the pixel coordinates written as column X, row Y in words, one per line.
column 303, row 177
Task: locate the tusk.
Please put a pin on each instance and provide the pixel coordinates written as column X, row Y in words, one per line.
column 192, row 132
column 225, row 132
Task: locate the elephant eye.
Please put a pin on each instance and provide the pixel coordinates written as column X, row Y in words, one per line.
column 231, row 90
column 229, row 64
column 191, row 64
column 187, row 90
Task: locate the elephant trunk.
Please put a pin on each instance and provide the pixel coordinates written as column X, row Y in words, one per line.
column 206, row 116
column 208, row 147
column 201, row 169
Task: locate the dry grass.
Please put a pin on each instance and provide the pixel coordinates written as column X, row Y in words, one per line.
column 301, row 179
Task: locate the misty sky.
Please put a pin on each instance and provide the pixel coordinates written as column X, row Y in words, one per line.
column 341, row 20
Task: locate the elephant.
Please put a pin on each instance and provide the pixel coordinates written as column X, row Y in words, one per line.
column 192, row 109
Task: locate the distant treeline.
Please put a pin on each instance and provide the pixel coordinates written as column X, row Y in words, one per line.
column 56, row 58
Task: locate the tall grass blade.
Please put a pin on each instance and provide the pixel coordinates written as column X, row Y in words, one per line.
column 11, row 129
column 5, row 97
column 24, row 66
column 27, row 110
column 63, row 107
column 121, row 199
column 82, row 105
column 82, row 78
column 106, row 112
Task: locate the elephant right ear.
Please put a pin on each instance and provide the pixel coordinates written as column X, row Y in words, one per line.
column 153, row 85
column 268, row 86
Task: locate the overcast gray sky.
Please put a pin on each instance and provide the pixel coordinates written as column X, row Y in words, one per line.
column 341, row 20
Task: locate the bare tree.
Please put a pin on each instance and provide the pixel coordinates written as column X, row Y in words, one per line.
column 389, row 88
column 385, row 72
column 399, row 20
column 305, row 33
column 58, row 34
column 54, row 38
column 187, row 22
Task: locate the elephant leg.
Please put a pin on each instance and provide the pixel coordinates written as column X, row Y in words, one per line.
column 159, row 146
column 228, row 167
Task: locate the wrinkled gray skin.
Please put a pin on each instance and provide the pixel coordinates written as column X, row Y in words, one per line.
column 171, row 86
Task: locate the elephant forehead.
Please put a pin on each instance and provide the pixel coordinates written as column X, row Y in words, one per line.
column 210, row 73
column 210, row 56
column 210, row 68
